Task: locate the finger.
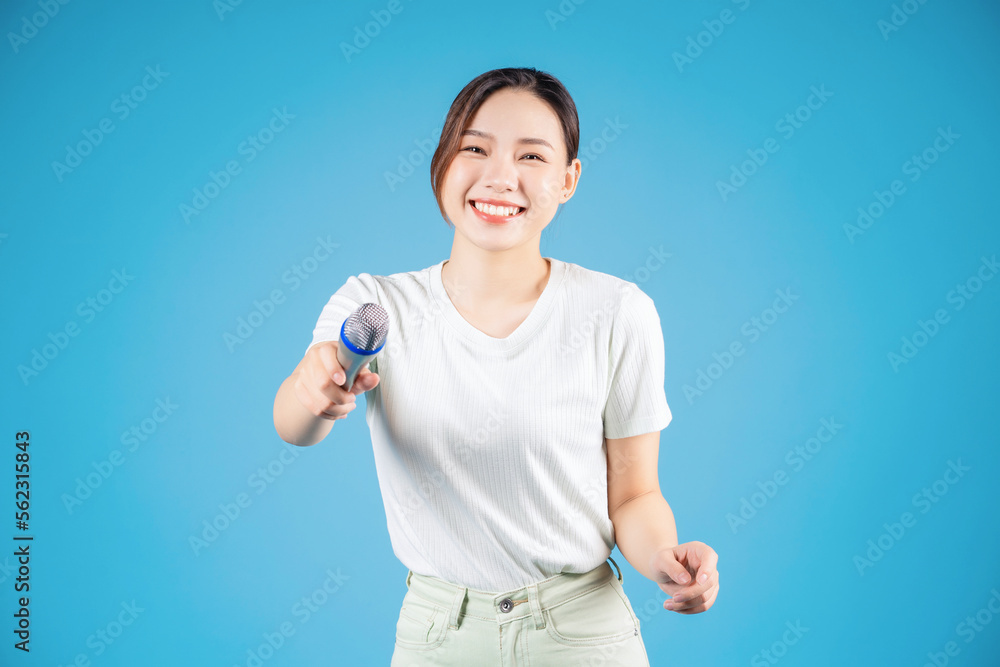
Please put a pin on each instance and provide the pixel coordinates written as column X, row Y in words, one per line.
column 329, row 358
column 693, row 595
column 671, row 589
column 671, row 605
column 685, row 601
column 310, row 401
column 366, row 381
column 325, row 393
column 705, row 559
column 697, row 609
column 667, row 568
column 334, row 409
column 696, row 589
column 326, row 386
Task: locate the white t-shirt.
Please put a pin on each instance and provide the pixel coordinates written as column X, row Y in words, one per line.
column 490, row 452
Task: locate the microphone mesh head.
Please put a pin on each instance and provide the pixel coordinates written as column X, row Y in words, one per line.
column 367, row 326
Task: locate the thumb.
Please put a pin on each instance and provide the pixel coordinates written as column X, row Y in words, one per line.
column 668, row 569
column 367, row 380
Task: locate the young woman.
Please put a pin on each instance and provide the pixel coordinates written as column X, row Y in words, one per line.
column 515, row 411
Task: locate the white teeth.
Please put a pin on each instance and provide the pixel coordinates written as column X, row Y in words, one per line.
column 503, row 211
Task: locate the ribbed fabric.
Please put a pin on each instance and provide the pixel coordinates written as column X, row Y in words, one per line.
column 490, row 452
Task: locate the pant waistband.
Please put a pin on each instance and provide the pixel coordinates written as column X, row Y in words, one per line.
column 509, row 605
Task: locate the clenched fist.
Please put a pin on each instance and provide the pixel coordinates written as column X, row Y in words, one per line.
column 319, row 388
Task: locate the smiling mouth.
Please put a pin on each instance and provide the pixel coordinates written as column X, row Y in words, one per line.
column 492, row 213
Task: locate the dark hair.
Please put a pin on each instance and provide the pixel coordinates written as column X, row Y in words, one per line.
column 540, row 84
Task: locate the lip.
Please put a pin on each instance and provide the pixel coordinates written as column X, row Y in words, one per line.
column 495, row 219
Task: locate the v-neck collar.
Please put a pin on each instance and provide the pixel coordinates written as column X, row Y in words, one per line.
column 523, row 332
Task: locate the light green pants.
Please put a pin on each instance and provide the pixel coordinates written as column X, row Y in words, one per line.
column 567, row 620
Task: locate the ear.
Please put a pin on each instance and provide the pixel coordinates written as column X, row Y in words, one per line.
column 573, row 172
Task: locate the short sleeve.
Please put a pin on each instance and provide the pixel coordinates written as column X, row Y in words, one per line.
column 637, row 402
column 357, row 290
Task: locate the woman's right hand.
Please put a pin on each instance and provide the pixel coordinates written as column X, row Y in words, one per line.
column 318, row 385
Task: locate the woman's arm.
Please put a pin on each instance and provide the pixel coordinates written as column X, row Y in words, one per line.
column 295, row 424
column 644, row 523
column 644, row 526
column 312, row 398
column 646, row 532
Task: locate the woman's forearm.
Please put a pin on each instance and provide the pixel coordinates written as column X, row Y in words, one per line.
column 295, row 424
column 643, row 526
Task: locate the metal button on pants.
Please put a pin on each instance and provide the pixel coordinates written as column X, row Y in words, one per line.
column 567, row 619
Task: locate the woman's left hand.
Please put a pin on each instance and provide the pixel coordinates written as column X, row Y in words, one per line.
column 689, row 574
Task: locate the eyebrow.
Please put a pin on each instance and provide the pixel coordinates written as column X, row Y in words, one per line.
column 523, row 140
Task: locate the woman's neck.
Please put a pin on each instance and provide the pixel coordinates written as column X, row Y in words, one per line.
column 493, row 279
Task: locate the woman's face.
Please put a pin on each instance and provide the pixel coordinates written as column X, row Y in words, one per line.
column 512, row 153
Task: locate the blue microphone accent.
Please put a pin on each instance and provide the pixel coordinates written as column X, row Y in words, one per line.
column 358, row 350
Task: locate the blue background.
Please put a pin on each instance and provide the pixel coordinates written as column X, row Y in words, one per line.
column 684, row 127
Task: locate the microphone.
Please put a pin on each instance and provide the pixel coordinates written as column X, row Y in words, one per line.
column 362, row 337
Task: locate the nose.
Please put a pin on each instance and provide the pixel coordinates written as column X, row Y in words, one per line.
column 501, row 174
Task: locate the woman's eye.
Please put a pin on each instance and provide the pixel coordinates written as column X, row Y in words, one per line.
column 477, row 148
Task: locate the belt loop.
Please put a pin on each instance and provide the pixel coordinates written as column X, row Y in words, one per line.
column 536, row 607
column 456, row 607
column 620, row 580
column 408, row 575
